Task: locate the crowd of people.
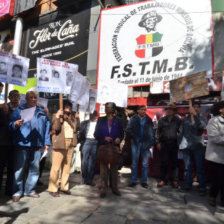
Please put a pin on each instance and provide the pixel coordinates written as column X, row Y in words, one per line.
column 22, row 144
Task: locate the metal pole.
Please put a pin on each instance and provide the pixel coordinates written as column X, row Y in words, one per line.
column 101, row 4
column 18, row 36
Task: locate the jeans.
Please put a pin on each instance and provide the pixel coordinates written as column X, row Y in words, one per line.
column 169, row 154
column 136, row 149
column 89, row 155
column 198, row 155
column 26, row 157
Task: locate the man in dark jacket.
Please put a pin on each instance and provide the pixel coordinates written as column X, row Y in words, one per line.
column 167, row 133
column 109, row 130
column 140, row 130
column 88, row 148
column 192, row 128
column 6, row 146
column 28, row 138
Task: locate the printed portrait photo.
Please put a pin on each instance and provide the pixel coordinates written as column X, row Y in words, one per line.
column 69, row 78
column 43, row 75
column 3, row 68
column 17, row 71
column 55, row 74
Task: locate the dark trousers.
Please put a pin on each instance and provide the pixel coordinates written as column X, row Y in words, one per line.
column 169, row 153
column 197, row 154
column 217, row 183
column 89, row 157
column 6, row 161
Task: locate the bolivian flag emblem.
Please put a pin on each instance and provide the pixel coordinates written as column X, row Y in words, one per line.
column 149, row 45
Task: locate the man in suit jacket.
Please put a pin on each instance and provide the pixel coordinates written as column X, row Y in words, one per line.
column 64, row 140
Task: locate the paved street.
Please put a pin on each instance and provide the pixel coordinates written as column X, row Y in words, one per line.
column 136, row 206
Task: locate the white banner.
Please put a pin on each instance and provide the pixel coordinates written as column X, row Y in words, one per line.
column 155, row 41
column 13, row 69
column 111, row 91
column 79, row 93
column 55, row 76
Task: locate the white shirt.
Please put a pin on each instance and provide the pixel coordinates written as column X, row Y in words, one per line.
column 91, row 129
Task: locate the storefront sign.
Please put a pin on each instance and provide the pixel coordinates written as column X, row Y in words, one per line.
column 62, row 39
column 155, row 41
column 6, row 7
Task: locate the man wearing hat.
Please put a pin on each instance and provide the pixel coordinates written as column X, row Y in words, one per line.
column 167, row 133
column 150, row 20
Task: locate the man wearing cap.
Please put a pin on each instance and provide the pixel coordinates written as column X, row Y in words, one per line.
column 167, row 134
column 6, row 146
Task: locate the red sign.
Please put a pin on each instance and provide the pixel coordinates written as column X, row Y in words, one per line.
column 6, row 8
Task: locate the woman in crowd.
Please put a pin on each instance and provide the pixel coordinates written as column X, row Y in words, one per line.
column 215, row 152
column 64, row 140
column 109, row 131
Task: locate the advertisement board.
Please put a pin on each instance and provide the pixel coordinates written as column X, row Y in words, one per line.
column 61, row 37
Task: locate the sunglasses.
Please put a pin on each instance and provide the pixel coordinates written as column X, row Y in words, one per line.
column 67, row 113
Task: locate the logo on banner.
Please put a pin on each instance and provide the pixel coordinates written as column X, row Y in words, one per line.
column 149, row 45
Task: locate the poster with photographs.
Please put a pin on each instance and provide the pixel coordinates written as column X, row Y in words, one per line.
column 55, row 76
column 112, row 91
column 189, row 87
column 92, row 100
column 13, row 69
column 80, row 90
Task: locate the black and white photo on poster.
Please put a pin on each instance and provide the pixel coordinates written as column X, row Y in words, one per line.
column 52, row 75
column 43, row 75
column 3, row 68
column 92, row 100
column 112, row 91
column 79, row 93
column 13, row 69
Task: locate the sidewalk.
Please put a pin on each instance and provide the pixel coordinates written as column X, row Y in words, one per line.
column 135, row 206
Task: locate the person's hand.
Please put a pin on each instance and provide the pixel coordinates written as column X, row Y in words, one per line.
column 5, row 108
column 77, row 115
column 158, row 146
column 117, row 141
column 18, row 123
column 46, row 110
column 59, row 114
column 46, row 147
column 108, row 139
column 192, row 111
